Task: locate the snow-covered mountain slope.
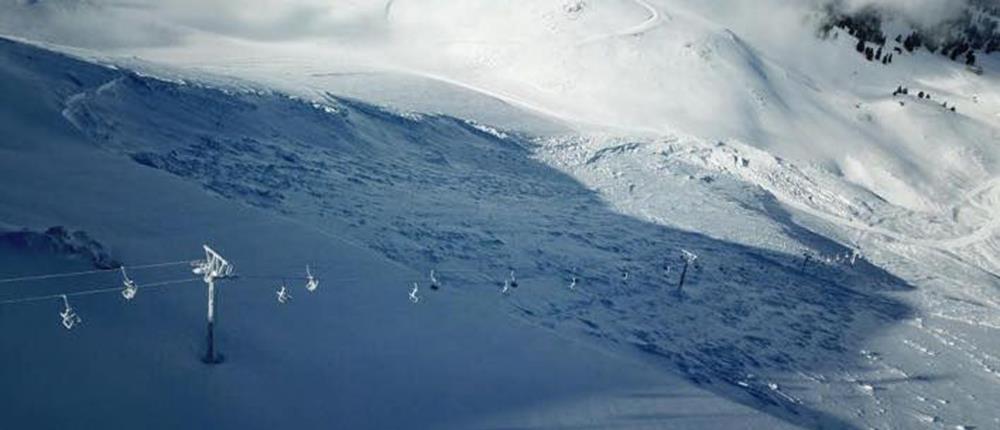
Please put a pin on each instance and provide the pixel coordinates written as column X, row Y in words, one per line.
column 621, row 132
column 713, row 70
column 809, row 98
column 706, row 69
column 355, row 354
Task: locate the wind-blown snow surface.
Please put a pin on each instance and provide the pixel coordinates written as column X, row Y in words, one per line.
column 354, row 354
column 678, row 117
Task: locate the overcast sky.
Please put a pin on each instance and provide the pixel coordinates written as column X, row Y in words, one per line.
column 115, row 23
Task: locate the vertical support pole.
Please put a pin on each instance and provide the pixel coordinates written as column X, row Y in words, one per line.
column 806, row 257
column 214, row 267
column 684, row 271
column 210, row 356
column 689, row 259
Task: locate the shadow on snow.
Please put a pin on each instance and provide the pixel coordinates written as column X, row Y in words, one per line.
column 433, row 191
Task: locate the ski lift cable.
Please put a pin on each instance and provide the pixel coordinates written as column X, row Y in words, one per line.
column 155, row 284
column 90, row 272
column 95, row 291
column 315, row 280
column 296, row 278
column 344, row 239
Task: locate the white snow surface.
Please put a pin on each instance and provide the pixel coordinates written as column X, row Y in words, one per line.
column 564, row 139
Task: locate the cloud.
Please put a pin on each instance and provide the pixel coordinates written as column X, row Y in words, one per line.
column 275, row 19
column 112, row 24
column 923, row 13
column 83, row 23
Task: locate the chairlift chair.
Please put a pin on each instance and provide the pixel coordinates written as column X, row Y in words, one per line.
column 413, row 294
column 69, row 316
column 311, row 282
column 575, row 279
column 434, row 281
column 283, row 295
column 130, row 287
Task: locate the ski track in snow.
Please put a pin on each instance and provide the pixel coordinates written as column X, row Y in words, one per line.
column 780, row 189
column 655, row 19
